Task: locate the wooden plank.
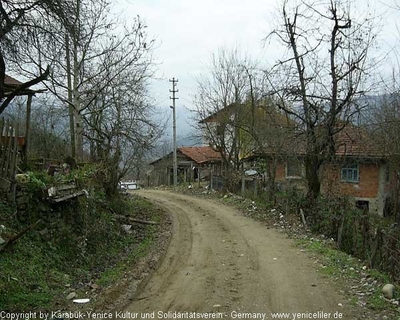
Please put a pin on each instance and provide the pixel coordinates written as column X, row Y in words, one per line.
column 8, row 151
column 13, row 239
column 5, row 150
column 133, row 220
column 14, row 152
column 55, row 191
column 67, row 197
column 1, row 130
column 28, row 125
column 64, row 187
column 7, row 165
column 13, row 167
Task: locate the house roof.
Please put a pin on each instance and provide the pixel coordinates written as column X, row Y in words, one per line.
column 213, row 117
column 201, row 154
column 11, row 84
column 352, row 141
column 355, row 141
column 266, row 112
column 197, row 154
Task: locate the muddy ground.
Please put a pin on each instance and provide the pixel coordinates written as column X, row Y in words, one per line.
column 219, row 261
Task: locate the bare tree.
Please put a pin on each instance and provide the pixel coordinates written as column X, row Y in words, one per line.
column 319, row 81
column 221, row 94
column 120, row 129
column 18, row 19
column 238, row 117
column 48, row 126
column 77, row 52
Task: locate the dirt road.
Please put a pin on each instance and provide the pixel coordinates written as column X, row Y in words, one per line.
column 221, row 261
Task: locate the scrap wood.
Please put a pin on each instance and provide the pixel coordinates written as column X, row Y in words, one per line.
column 13, row 239
column 67, row 197
column 303, row 218
column 136, row 220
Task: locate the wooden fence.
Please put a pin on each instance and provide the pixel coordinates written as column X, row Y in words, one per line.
column 8, row 156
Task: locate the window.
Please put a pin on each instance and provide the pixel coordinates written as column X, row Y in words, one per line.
column 293, row 169
column 350, row 173
column 363, row 205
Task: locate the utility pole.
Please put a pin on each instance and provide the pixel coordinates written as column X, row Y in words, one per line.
column 174, row 161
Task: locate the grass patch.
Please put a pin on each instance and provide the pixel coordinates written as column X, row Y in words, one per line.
column 337, row 264
column 70, row 249
column 113, row 274
column 140, row 205
column 26, row 280
column 110, row 275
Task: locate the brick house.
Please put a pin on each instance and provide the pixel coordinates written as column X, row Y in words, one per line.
column 193, row 163
column 358, row 170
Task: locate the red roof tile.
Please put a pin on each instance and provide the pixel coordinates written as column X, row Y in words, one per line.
column 201, row 154
column 356, row 142
column 351, row 141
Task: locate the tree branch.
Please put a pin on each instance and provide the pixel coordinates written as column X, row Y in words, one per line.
column 23, row 87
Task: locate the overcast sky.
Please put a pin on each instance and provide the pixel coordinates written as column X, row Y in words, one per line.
column 187, row 32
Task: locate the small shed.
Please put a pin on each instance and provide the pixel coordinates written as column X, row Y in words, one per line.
column 12, row 145
column 194, row 164
column 12, row 85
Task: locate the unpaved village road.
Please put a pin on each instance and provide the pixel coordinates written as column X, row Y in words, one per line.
column 219, row 257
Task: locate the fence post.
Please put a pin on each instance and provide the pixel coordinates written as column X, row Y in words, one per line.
column 243, row 180
column 13, row 166
column 378, row 244
column 211, row 177
column 8, row 156
column 340, row 231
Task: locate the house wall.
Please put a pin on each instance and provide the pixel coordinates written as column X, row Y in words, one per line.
column 285, row 182
column 366, row 187
column 371, row 187
column 162, row 173
column 280, row 172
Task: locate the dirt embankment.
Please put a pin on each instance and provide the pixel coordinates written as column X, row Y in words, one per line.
column 220, row 261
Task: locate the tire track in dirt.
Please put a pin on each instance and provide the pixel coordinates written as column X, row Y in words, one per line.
column 218, row 257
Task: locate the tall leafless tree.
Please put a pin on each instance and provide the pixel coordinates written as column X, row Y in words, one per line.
column 224, row 86
column 77, row 53
column 18, row 19
column 119, row 121
column 236, row 114
column 322, row 76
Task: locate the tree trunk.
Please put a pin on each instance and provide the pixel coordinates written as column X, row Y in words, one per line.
column 2, row 76
column 76, row 95
column 27, row 130
column 77, row 114
column 313, row 165
column 271, row 169
column 70, row 103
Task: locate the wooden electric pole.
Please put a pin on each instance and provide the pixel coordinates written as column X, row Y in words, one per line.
column 174, row 161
